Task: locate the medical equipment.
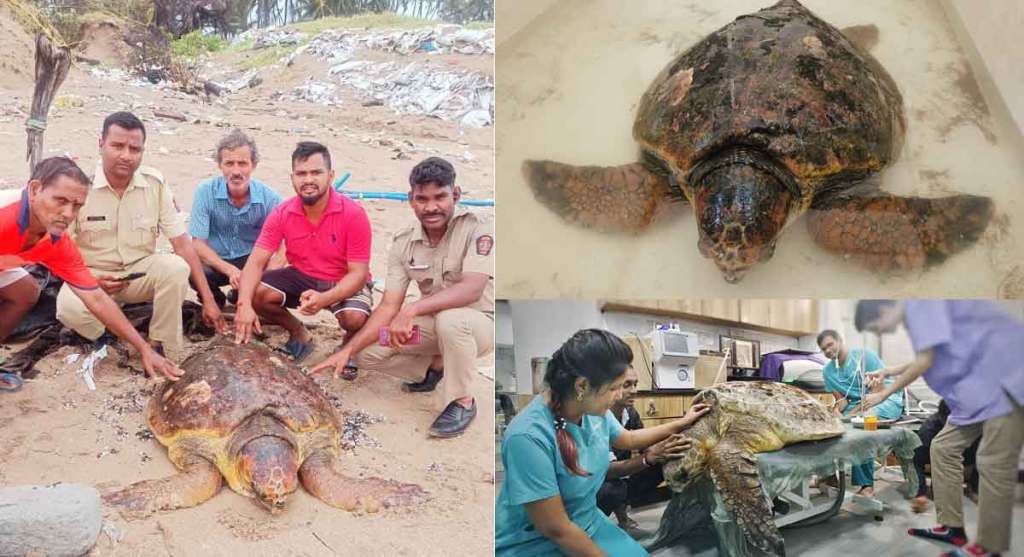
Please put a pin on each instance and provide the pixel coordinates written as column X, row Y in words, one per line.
column 675, row 355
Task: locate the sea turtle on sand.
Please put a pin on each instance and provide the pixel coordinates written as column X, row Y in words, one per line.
column 253, row 419
column 774, row 115
column 748, row 417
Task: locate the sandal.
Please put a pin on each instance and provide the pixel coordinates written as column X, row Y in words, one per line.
column 298, row 350
column 10, row 383
column 350, row 372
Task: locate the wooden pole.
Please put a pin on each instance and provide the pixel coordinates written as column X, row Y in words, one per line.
column 52, row 65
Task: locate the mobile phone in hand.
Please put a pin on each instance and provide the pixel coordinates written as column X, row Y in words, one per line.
column 384, row 336
column 131, row 277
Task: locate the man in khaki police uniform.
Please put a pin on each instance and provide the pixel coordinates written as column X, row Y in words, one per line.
column 116, row 231
column 451, row 258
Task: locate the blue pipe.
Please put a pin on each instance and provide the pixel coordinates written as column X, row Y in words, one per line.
column 395, row 196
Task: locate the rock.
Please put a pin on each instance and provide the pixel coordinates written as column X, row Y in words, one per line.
column 62, row 519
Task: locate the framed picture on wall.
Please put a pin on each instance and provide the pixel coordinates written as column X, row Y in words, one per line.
column 742, row 352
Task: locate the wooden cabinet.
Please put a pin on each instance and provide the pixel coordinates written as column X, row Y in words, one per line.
column 663, row 405
column 721, row 309
column 782, row 316
column 643, row 361
column 756, row 312
column 796, row 316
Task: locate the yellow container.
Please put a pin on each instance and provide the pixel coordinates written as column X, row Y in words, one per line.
column 870, row 423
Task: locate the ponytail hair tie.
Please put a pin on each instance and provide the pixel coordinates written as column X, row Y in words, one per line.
column 559, row 423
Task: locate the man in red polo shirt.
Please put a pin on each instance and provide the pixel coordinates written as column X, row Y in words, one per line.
column 32, row 230
column 327, row 243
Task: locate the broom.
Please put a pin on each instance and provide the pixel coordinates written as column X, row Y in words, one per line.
column 52, row 65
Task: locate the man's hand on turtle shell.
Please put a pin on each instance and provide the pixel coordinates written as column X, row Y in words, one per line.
column 246, row 321
column 214, row 318
column 156, row 365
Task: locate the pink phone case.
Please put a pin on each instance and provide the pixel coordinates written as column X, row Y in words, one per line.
column 384, row 336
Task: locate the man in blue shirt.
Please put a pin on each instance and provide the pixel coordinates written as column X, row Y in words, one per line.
column 228, row 213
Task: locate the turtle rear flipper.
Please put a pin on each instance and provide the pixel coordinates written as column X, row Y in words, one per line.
column 613, row 198
column 738, row 481
column 884, row 232
column 321, row 479
column 198, row 481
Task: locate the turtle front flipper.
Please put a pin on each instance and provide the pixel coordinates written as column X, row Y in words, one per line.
column 198, row 481
column 615, row 198
column 734, row 471
column 889, row 233
column 320, row 478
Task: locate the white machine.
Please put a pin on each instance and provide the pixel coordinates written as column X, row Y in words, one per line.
column 675, row 356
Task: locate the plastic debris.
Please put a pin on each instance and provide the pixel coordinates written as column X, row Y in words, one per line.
column 113, row 533
column 442, row 39
column 267, row 38
column 314, row 91
column 90, row 361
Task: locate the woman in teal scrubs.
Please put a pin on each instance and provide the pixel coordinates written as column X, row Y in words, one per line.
column 555, row 454
column 842, row 377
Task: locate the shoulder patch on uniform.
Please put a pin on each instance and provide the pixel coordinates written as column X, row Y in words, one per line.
column 484, row 244
column 151, row 172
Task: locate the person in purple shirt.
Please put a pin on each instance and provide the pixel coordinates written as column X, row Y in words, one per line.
column 971, row 353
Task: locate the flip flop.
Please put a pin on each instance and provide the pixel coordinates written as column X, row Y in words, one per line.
column 298, row 350
column 350, row 372
column 10, row 383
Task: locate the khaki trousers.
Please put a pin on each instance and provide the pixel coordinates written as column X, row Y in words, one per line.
column 1001, row 441
column 459, row 335
column 165, row 284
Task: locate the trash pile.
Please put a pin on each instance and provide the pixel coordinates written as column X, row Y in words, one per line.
column 443, row 39
column 314, row 91
column 267, row 38
column 417, row 88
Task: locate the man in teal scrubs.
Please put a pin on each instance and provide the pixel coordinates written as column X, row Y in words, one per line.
column 535, row 471
column 842, row 377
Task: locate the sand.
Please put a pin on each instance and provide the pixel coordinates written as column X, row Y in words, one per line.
column 56, row 430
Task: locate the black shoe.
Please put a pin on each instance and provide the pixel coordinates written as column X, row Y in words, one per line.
column 453, row 421
column 106, row 339
column 429, row 382
column 232, row 297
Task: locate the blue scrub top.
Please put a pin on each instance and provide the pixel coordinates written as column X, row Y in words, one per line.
column 847, row 380
column 534, row 471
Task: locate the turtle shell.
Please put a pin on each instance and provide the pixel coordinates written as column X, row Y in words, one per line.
column 785, row 82
column 225, row 385
column 790, row 413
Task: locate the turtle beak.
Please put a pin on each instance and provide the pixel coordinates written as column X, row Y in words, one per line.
column 733, row 276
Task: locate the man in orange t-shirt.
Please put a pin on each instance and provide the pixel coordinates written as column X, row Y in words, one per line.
column 32, row 230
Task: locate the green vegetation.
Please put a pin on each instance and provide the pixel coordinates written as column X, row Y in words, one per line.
column 195, row 44
column 368, row 20
column 264, row 57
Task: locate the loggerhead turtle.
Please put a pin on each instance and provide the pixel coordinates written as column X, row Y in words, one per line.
column 774, row 115
column 748, row 417
column 242, row 414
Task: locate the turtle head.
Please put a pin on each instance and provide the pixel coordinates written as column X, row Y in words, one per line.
column 742, row 205
column 269, row 466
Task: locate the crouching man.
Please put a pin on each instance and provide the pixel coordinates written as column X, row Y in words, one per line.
column 450, row 255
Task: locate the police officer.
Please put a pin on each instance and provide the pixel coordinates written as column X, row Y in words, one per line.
column 450, row 256
column 116, row 232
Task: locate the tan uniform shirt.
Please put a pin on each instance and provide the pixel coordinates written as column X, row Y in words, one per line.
column 114, row 232
column 467, row 246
